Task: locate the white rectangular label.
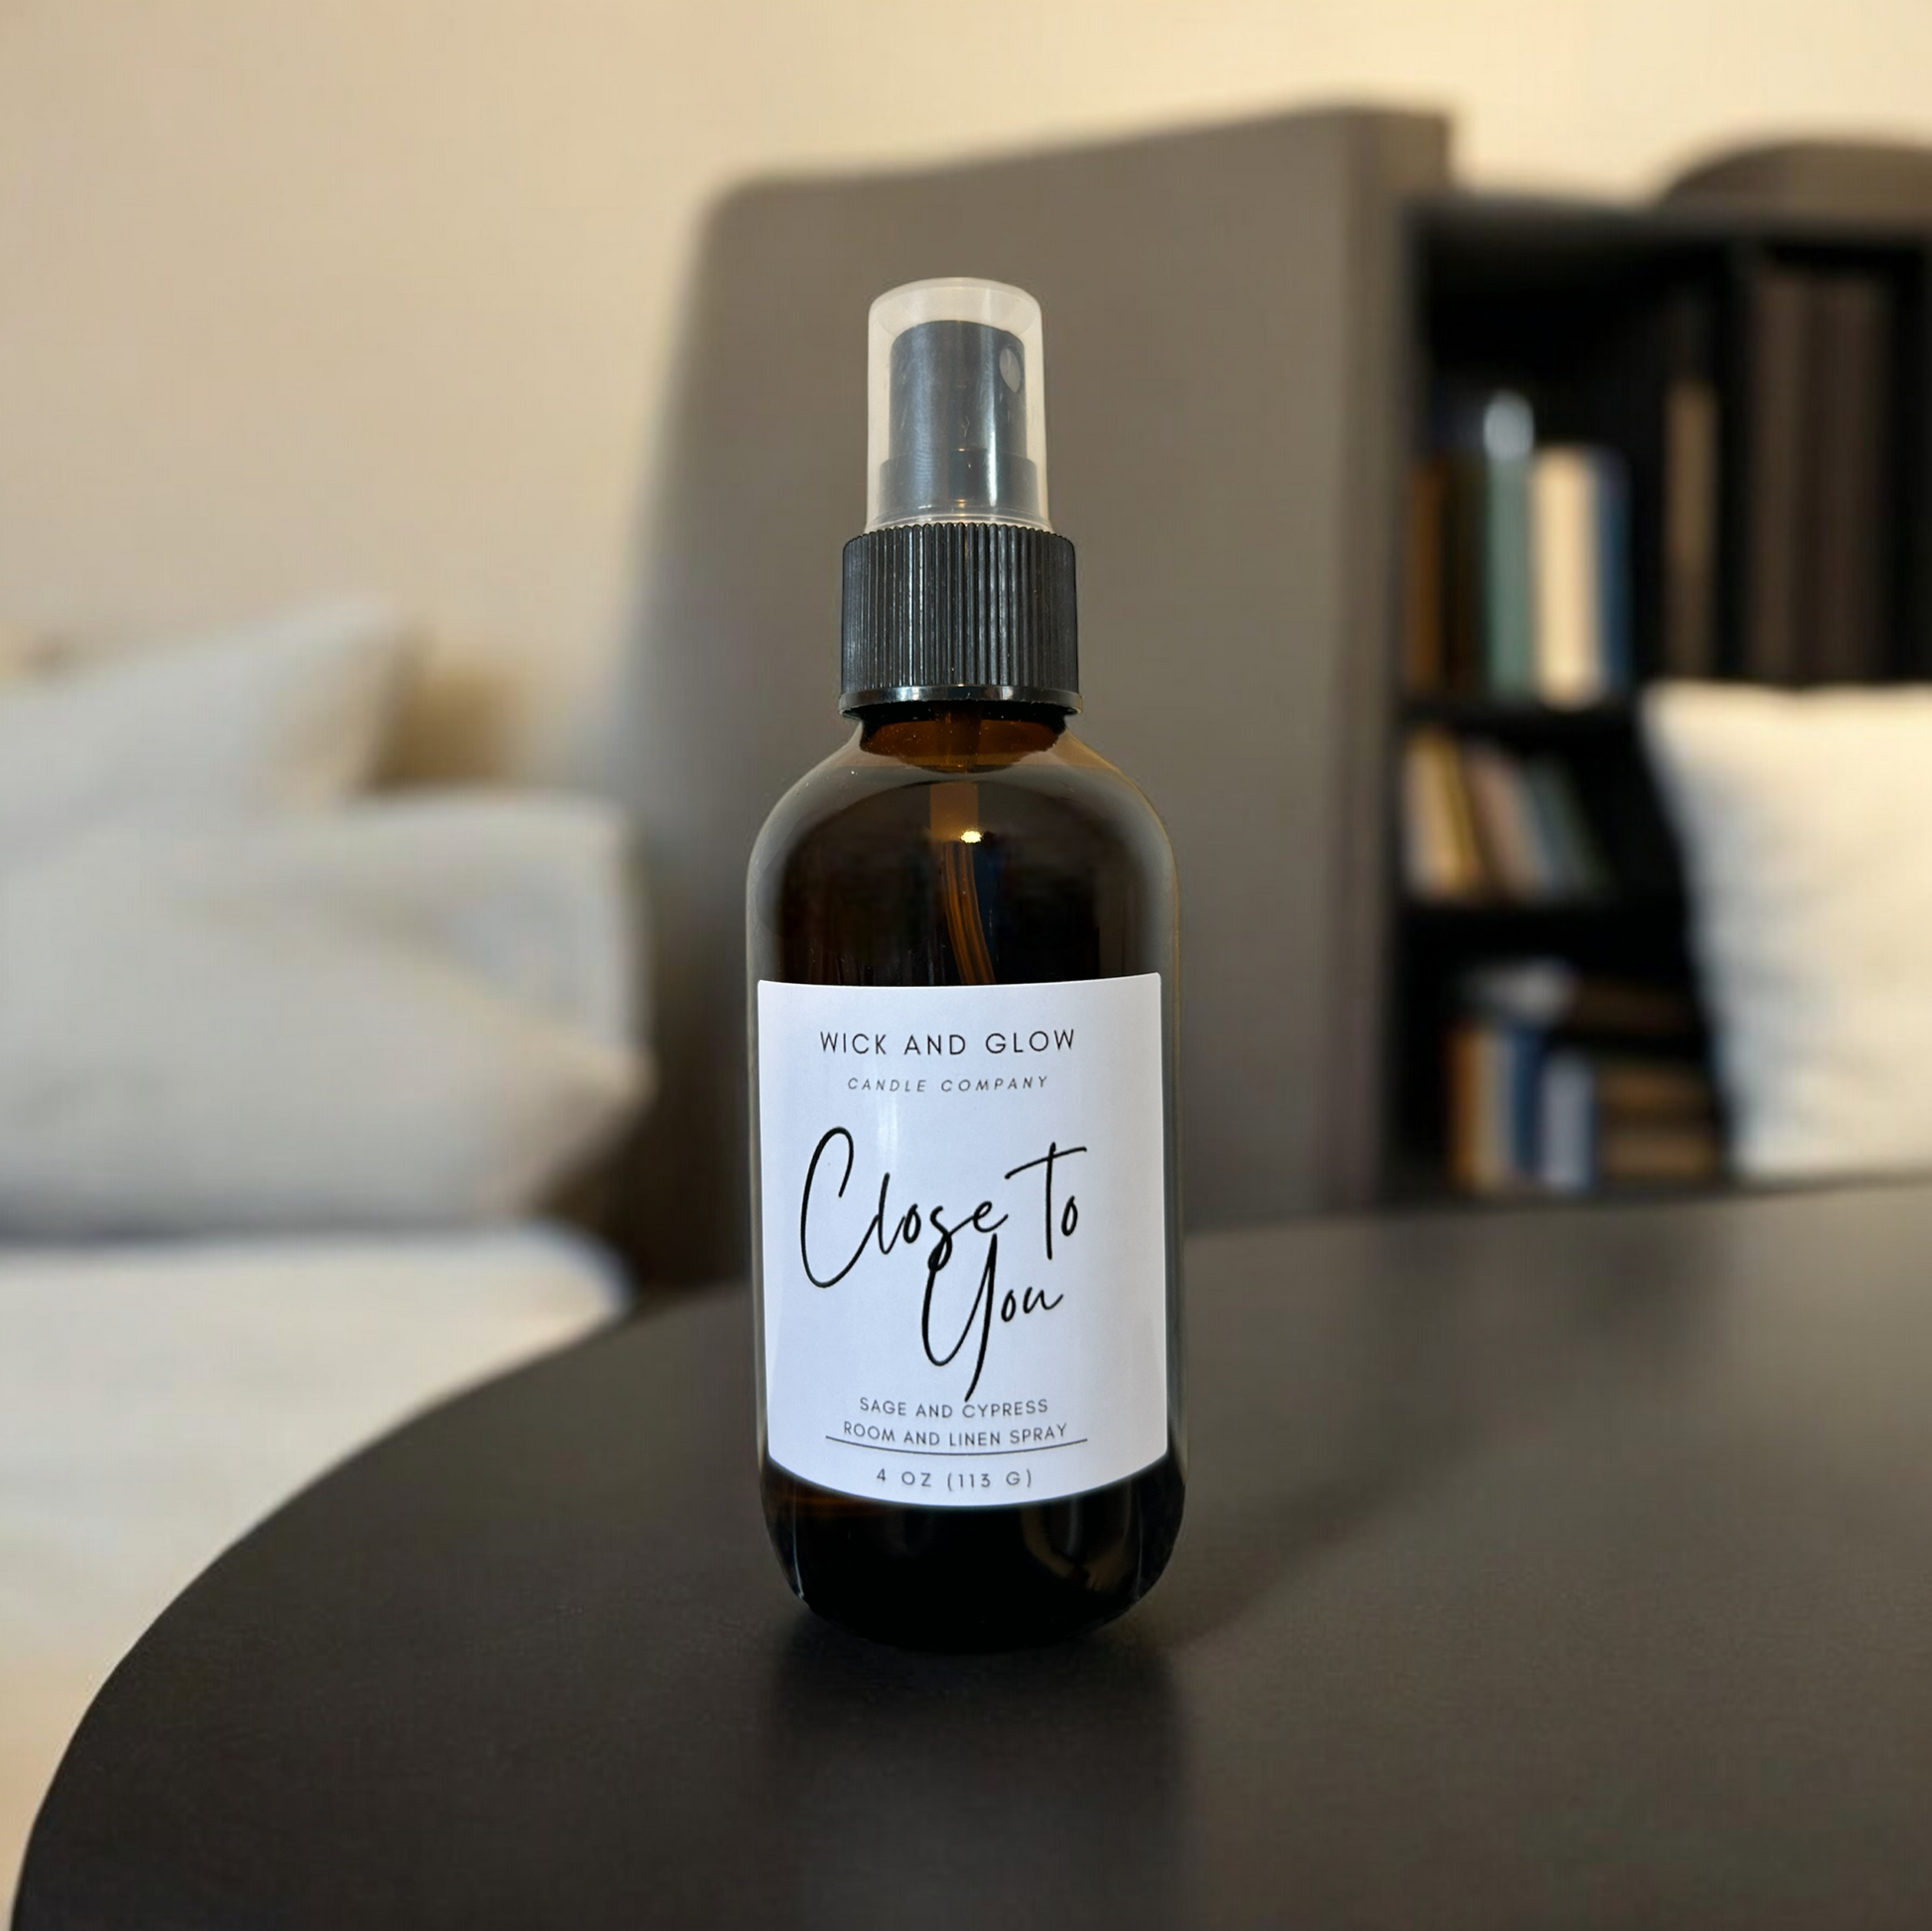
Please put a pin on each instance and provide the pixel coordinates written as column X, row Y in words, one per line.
column 964, row 1212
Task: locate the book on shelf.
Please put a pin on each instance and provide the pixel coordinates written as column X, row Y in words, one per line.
column 1424, row 656
column 1580, row 574
column 1489, row 1067
column 1774, row 494
column 1847, row 425
column 1560, row 813
column 1440, row 856
column 1476, row 486
column 1637, row 1153
column 1518, row 860
column 1560, row 1081
column 1820, row 419
column 1481, row 823
column 1565, row 1138
column 1508, row 608
column 1688, row 643
column 1459, row 588
column 1519, row 562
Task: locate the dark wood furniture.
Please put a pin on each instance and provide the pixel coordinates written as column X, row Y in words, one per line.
column 1592, row 312
column 1554, row 1569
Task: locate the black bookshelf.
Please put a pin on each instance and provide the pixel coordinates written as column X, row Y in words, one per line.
column 1592, row 312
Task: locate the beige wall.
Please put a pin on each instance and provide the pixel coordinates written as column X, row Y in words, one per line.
column 299, row 293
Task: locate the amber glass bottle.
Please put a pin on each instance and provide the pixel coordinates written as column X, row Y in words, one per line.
column 962, row 935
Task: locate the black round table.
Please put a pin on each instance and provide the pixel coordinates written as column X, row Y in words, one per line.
column 1569, row 1568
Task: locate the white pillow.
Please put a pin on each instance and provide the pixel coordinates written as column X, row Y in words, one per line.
column 1806, row 822
column 286, row 714
column 406, row 1014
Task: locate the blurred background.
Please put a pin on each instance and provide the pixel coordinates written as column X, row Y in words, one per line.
column 299, row 296
column 1497, row 440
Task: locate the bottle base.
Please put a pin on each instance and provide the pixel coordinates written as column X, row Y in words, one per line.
column 955, row 1642
column 975, row 1580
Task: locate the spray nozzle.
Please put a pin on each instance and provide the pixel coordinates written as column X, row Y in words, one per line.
column 958, row 406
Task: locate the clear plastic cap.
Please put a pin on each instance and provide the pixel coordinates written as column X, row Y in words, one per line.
column 957, row 423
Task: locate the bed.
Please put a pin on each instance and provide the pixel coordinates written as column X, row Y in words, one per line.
column 156, row 1401
column 292, row 1066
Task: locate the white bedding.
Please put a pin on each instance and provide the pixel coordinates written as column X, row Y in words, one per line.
column 155, row 1402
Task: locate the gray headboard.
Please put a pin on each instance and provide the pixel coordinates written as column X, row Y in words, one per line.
column 1221, row 421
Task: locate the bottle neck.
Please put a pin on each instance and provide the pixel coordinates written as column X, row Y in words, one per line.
column 959, row 737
